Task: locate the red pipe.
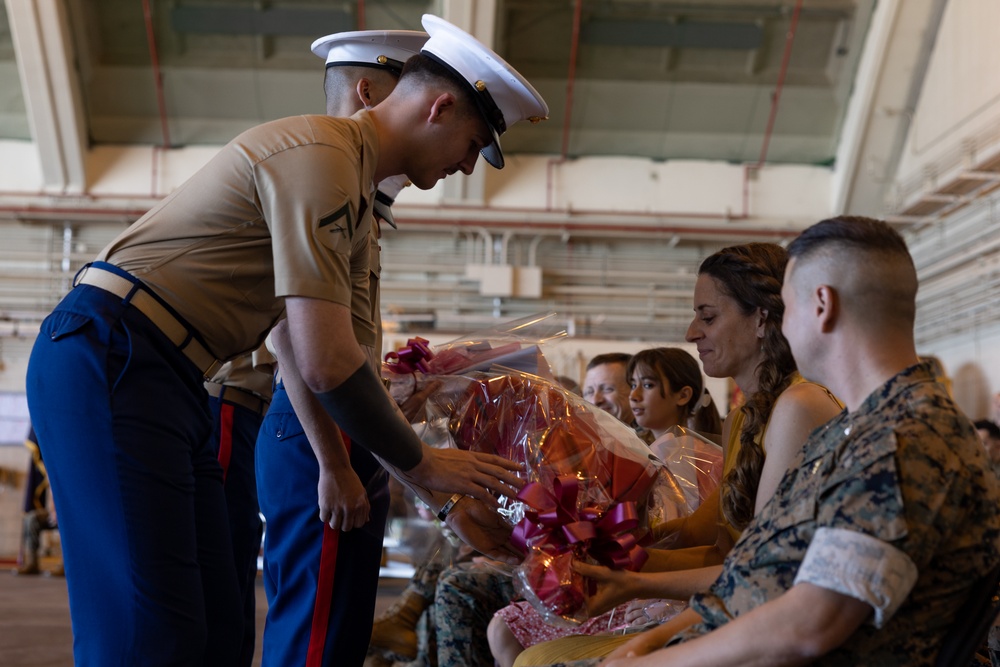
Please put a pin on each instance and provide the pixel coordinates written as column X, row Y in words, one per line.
column 531, row 210
column 103, row 213
column 136, row 213
column 775, row 98
column 361, row 14
column 157, row 75
column 574, row 46
column 571, row 77
column 785, row 59
column 585, row 227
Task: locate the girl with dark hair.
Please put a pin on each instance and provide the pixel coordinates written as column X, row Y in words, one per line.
column 667, row 393
column 737, row 330
column 667, row 390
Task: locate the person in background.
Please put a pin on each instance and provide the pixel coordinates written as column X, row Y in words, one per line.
column 989, row 435
column 668, row 391
column 37, row 517
column 605, row 384
column 658, row 379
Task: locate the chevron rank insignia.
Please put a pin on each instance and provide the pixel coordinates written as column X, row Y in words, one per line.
column 340, row 221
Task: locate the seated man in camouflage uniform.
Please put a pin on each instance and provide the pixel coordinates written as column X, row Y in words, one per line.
column 879, row 533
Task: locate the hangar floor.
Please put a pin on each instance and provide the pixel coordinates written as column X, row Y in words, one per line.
column 35, row 627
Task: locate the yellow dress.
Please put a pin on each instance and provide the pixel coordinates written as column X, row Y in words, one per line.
column 733, row 445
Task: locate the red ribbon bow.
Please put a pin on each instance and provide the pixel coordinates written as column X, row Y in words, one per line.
column 410, row 358
column 555, row 525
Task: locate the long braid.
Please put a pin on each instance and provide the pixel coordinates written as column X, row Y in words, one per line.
column 752, row 274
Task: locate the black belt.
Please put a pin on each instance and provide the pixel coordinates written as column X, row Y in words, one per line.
column 133, row 292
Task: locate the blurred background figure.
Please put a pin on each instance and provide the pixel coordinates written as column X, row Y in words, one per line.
column 989, row 433
column 37, row 515
column 606, row 385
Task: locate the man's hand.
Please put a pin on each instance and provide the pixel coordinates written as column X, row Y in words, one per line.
column 483, row 529
column 343, row 500
column 636, row 652
column 631, row 654
column 469, row 473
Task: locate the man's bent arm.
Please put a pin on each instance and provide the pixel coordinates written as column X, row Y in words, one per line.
column 475, row 522
column 796, row 628
column 336, row 370
column 343, row 500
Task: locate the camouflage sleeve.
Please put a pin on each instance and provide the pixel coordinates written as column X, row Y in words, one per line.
column 861, row 567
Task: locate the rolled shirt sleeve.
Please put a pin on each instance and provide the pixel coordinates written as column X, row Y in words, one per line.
column 860, row 566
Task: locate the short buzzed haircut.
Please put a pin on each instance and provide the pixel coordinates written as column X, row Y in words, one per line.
column 879, row 278
column 609, row 358
column 420, row 68
column 341, row 80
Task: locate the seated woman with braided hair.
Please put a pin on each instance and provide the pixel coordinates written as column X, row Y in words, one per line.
column 737, row 330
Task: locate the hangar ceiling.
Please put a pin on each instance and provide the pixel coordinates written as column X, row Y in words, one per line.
column 739, row 81
column 654, row 79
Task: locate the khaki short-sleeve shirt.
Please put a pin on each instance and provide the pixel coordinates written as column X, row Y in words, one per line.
column 282, row 210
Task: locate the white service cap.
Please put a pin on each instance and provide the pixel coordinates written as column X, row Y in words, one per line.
column 387, row 49
column 504, row 97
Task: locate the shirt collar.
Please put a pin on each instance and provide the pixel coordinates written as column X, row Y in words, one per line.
column 916, row 374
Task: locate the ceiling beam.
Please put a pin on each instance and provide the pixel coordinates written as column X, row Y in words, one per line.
column 50, row 85
column 890, row 77
column 673, row 34
column 296, row 21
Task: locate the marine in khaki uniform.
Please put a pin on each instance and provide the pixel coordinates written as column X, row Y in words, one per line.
column 238, row 396
column 324, row 499
column 275, row 225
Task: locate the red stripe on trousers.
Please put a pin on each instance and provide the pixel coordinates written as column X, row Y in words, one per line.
column 324, row 589
column 225, row 437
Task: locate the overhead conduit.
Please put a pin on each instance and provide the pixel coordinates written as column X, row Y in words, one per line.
column 747, row 168
column 652, row 224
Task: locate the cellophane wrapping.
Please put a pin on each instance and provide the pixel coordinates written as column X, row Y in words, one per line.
column 593, row 491
column 694, row 460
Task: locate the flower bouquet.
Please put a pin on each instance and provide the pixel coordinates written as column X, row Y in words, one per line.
column 593, row 492
column 515, row 344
